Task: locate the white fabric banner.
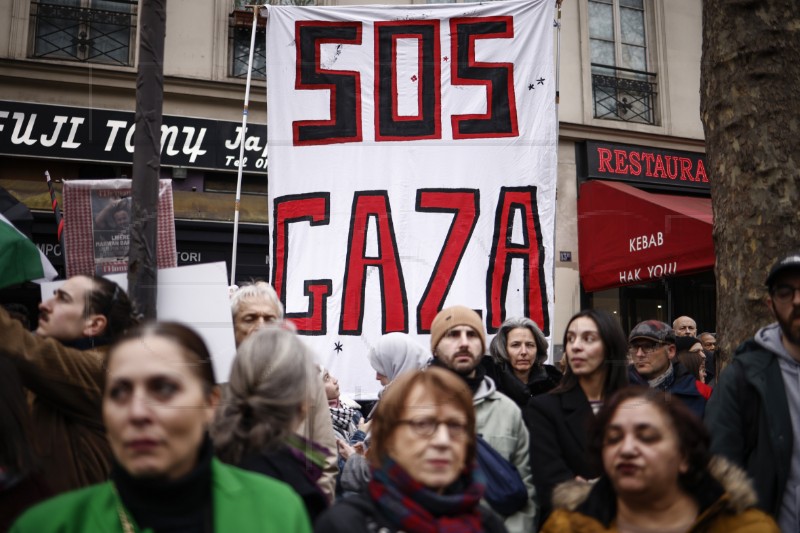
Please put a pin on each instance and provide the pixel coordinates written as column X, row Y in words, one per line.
column 412, row 166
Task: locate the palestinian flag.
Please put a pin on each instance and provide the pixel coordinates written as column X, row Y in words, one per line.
column 20, row 259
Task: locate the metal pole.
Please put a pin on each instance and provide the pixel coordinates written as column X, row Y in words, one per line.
column 241, row 146
column 142, row 257
column 557, row 25
column 56, row 212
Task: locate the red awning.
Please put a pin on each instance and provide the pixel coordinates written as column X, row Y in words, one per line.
column 627, row 236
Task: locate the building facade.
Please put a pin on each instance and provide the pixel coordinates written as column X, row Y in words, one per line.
column 633, row 226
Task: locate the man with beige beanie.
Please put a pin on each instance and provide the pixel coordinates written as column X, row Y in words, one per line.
column 458, row 343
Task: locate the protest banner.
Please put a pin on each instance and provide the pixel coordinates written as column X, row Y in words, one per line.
column 412, row 166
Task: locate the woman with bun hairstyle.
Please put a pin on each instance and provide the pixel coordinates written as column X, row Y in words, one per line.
column 265, row 402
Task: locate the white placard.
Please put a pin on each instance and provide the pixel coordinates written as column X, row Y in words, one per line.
column 197, row 296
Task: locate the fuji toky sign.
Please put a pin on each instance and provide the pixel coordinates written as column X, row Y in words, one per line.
column 84, row 134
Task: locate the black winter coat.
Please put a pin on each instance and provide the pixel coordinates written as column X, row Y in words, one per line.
column 558, row 425
column 284, row 466
column 750, row 423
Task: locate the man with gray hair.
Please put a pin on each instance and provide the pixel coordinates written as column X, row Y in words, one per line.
column 253, row 306
column 684, row 326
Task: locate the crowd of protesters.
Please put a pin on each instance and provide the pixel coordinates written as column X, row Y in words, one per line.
column 109, row 425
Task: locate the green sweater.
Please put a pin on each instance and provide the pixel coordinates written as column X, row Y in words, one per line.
column 244, row 502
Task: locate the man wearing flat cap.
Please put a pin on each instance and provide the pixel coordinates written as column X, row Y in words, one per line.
column 651, row 347
column 754, row 413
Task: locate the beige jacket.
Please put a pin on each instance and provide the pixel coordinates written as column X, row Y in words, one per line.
column 318, row 427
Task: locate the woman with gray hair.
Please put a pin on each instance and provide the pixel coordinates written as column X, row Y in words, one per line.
column 266, row 400
column 519, row 351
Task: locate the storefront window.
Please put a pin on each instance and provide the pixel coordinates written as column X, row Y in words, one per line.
column 94, row 31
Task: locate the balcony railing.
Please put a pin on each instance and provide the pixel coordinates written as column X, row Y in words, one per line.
column 624, row 94
column 84, row 33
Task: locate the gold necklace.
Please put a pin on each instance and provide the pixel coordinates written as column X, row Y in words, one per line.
column 127, row 527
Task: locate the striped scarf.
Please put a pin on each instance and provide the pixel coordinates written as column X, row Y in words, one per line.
column 410, row 506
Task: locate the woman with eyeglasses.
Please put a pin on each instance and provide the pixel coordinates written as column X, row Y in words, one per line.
column 658, row 476
column 422, row 459
column 159, row 400
column 596, row 352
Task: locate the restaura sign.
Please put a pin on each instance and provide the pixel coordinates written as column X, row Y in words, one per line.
column 645, row 165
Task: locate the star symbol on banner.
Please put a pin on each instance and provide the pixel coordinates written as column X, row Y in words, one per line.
column 337, row 346
column 531, row 87
column 414, row 77
column 445, row 59
column 540, row 81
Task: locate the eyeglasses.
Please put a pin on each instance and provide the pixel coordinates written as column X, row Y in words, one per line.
column 426, row 427
column 647, row 349
column 784, row 293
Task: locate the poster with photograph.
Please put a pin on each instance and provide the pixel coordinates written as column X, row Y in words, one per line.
column 97, row 222
column 111, row 221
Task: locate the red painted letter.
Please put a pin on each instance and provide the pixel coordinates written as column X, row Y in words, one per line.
column 373, row 205
column 315, row 209
column 465, row 205
column 517, row 201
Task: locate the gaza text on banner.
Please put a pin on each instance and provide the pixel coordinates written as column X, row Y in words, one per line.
column 412, row 161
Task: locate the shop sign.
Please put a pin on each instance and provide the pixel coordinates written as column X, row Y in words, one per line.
column 102, row 135
column 644, row 165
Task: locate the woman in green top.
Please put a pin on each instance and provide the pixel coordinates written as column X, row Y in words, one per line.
column 160, row 397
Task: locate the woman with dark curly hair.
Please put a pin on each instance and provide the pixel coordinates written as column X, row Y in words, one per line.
column 658, row 475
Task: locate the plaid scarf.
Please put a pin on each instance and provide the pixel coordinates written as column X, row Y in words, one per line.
column 342, row 418
column 410, row 506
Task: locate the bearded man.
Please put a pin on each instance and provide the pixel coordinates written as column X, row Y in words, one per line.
column 750, row 415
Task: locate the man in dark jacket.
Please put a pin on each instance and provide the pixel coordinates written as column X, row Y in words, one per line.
column 651, row 347
column 62, row 365
column 754, row 413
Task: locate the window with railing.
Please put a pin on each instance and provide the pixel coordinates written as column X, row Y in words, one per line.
column 94, row 31
column 623, row 87
column 240, row 32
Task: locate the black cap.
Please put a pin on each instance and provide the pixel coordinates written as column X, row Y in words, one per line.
column 790, row 261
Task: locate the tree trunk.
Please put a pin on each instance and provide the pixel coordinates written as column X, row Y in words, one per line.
column 142, row 258
column 750, row 106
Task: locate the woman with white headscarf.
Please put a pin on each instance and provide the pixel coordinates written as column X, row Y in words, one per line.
column 393, row 355
column 396, row 353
